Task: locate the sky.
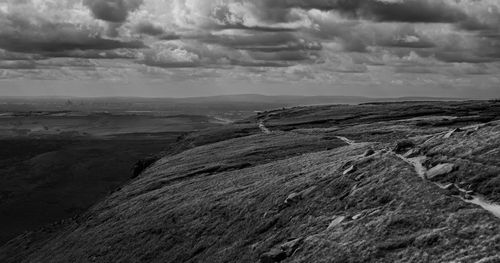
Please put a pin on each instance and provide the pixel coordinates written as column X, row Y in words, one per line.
column 178, row 48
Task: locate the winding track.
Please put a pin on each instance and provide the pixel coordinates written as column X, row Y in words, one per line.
column 420, row 170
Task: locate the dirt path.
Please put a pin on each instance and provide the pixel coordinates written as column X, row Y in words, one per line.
column 476, row 199
column 420, row 170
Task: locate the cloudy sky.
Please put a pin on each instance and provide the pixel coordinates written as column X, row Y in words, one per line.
column 382, row 48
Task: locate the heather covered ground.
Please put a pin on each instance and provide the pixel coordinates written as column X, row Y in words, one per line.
column 327, row 184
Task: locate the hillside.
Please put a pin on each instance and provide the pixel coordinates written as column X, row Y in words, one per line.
column 381, row 182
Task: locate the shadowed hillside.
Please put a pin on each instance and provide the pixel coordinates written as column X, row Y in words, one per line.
column 384, row 182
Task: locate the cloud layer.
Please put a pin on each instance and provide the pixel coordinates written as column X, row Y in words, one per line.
column 382, row 42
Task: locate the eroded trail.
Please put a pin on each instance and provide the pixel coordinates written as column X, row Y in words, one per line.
column 479, row 200
column 421, row 170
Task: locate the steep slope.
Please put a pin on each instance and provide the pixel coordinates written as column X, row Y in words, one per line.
column 301, row 195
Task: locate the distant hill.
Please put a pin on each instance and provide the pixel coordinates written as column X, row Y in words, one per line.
column 190, row 105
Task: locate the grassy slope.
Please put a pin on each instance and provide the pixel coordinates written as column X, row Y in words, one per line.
column 224, row 202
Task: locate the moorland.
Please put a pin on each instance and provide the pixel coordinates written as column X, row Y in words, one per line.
column 374, row 182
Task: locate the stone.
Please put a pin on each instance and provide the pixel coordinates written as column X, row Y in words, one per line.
column 439, row 170
column 492, row 259
column 451, row 189
column 274, row 255
column 293, row 198
column 403, row 146
column 450, row 133
column 347, row 164
column 412, row 153
column 290, row 246
column 467, row 197
column 358, row 216
column 349, row 170
column 307, row 192
column 369, row 152
column 336, row 221
column 296, row 197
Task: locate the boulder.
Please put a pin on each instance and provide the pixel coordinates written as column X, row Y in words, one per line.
column 347, row 164
column 439, row 170
column 274, row 255
column 451, row 189
column 336, row 221
column 412, row 153
column 293, row 198
column 358, row 216
column 450, row 133
column 349, row 170
column 403, row 146
column 466, row 196
column 492, row 259
column 307, row 192
column 296, row 197
column 369, row 152
column 290, row 246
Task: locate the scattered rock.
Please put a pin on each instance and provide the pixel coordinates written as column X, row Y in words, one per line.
column 358, row 216
column 349, row 170
column 467, row 196
column 290, row 246
column 438, row 170
column 346, row 165
column 470, row 192
column 336, row 221
column 369, row 152
column 429, row 239
column 296, row 197
column 307, row 192
column 412, row 153
column 274, row 255
column 462, row 184
column 293, row 198
column 493, row 259
column 374, row 212
column 470, row 132
column 403, row 146
column 451, row 189
column 450, row 133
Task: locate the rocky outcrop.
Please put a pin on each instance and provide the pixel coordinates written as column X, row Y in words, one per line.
column 403, row 146
column 439, row 170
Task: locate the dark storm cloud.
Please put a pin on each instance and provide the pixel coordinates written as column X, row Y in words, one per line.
column 264, row 42
column 281, row 56
column 424, row 11
column 312, row 37
column 43, row 37
column 115, row 11
column 148, row 28
column 58, row 44
column 94, row 54
column 255, row 28
column 17, row 64
column 408, row 43
column 7, row 55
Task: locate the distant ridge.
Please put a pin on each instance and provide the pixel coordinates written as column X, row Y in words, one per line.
column 288, row 100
